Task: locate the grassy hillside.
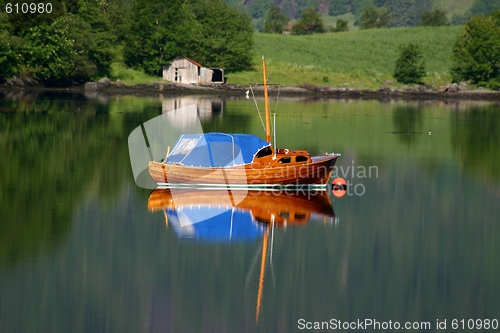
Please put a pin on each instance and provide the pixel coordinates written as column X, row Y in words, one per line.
column 356, row 59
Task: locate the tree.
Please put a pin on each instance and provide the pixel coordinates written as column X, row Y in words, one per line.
column 420, row 7
column 476, row 52
column 275, row 21
column 375, row 18
column 158, row 32
column 92, row 54
column 206, row 30
column 260, row 7
column 359, row 6
column 9, row 46
column 73, row 42
column 338, row 7
column 402, row 12
column 9, row 55
column 94, row 38
column 410, row 66
column 22, row 22
column 310, row 22
column 116, row 16
column 341, row 26
column 406, row 13
column 484, row 7
column 48, row 53
column 227, row 43
column 434, row 18
column 303, row 5
column 379, row 3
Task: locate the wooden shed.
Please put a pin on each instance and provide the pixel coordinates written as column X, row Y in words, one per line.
column 185, row 70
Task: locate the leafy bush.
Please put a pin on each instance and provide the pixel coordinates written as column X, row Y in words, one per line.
column 338, row 7
column 276, row 21
column 476, row 52
column 228, row 44
column 9, row 55
column 310, row 22
column 374, row 18
column 410, row 66
column 48, row 52
column 73, row 43
column 9, row 48
column 341, row 26
column 434, row 18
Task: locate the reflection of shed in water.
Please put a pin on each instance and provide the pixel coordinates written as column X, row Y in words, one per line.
column 206, row 107
column 185, row 70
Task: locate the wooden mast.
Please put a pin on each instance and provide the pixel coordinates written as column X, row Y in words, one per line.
column 261, row 277
column 266, row 100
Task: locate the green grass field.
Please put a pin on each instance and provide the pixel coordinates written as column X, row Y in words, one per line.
column 353, row 59
column 130, row 76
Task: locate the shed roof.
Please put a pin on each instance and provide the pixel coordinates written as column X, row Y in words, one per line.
column 191, row 61
column 196, row 63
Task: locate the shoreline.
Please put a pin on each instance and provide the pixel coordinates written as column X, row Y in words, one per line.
column 450, row 92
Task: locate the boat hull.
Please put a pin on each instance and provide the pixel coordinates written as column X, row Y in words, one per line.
column 317, row 171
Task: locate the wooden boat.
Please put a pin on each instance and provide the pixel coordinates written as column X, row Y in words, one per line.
column 239, row 159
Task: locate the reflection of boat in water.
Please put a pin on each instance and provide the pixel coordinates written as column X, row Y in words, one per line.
column 230, row 215
column 225, row 215
column 239, row 159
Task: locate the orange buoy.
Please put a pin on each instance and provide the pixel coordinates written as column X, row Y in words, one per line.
column 339, row 187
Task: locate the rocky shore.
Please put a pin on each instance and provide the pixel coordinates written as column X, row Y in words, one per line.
column 106, row 86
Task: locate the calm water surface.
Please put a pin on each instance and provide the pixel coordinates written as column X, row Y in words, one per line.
column 417, row 242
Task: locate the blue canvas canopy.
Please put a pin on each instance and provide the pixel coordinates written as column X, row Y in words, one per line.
column 228, row 224
column 216, row 149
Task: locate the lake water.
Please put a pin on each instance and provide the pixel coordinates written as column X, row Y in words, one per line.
column 415, row 241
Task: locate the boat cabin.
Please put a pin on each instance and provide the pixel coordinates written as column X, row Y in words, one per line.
column 266, row 156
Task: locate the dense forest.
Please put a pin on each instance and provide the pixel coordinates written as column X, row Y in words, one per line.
column 77, row 40
column 404, row 12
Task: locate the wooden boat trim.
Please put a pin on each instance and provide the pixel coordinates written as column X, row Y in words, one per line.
column 242, row 187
